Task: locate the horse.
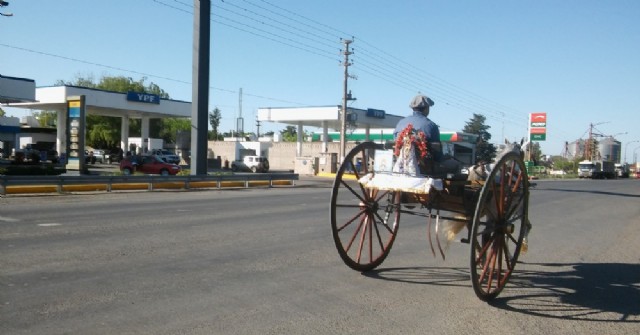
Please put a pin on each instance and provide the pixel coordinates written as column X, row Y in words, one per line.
column 479, row 173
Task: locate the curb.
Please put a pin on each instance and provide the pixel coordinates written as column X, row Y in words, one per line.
column 142, row 186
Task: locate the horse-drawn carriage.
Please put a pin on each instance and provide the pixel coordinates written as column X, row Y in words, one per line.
column 368, row 199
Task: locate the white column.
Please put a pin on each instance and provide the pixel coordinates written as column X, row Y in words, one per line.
column 299, row 141
column 367, row 132
column 145, row 134
column 325, row 136
column 124, row 134
column 61, row 133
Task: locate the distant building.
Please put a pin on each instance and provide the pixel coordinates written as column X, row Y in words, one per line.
column 607, row 148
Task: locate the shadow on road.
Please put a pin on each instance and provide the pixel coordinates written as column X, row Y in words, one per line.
column 581, row 291
column 440, row 276
column 594, row 192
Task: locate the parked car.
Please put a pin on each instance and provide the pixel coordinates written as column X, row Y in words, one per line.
column 93, row 156
column 53, row 157
column 251, row 163
column 89, row 158
column 116, row 155
column 166, row 155
column 100, row 156
column 150, row 164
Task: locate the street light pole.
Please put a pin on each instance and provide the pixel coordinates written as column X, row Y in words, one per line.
column 625, row 149
column 635, row 158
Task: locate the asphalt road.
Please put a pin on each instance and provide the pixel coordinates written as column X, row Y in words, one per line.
column 262, row 261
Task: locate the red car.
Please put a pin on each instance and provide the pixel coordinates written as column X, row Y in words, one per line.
column 148, row 165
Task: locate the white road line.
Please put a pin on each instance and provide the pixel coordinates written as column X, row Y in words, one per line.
column 8, row 219
column 49, row 224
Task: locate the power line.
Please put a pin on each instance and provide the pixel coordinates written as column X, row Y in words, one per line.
column 280, row 25
column 408, row 80
column 148, row 75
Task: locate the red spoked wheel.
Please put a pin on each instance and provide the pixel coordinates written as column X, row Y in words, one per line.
column 499, row 225
column 364, row 221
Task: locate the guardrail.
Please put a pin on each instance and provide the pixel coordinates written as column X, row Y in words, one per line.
column 62, row 184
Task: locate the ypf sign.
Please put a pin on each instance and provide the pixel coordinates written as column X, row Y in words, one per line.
column 538, row 126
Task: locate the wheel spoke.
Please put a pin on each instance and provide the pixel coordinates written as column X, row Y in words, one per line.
column 350, row 221
column 355, row 234
column 486, row 231
column 496, row 197
column 348, row 206
column 486, row 266
column 354, row 192
column 509, row 208
column 514, row 207
column 517, row 183
column 370, row 228
column 507, row 256
column 511, row 238
column 383, row 222
column 501, row 248
column 503, row 186
column 482, row 253
column 362, row 237
column 375, row 226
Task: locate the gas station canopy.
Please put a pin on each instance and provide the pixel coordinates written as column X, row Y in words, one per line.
column 107, row 103
column 329, row 117
column 16, row 89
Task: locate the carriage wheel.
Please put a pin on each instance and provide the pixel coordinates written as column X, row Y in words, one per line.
column 499, row 225
column 364, row 221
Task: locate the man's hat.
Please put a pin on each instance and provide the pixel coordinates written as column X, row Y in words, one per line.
column 420, row 102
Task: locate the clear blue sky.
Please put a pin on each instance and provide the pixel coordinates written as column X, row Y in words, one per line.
column 576, row 60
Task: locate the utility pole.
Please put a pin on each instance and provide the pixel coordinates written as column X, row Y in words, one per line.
column 200, row 86
column 240, row 120
column 587, row 154
column 345, row 97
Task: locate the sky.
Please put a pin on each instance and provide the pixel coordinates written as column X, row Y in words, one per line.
column 576, row 60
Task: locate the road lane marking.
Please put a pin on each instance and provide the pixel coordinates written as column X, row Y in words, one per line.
column 8, row 219
column 49, row 224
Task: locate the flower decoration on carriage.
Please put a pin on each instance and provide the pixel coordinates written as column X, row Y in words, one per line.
column 410, row 142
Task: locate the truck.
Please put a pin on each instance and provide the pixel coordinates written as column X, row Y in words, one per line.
column 622, row 170
column 597, row 169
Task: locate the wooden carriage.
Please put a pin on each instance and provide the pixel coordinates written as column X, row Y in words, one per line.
column 367, row 201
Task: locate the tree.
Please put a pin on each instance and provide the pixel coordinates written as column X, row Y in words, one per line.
column 103, row 135
column 1, row 112
column 485, row 151
column 214, row 121
column 46, row 119
column 117, row 84
column 536, row 153
column 170, row 128
column 289, row 134
column 566, row 165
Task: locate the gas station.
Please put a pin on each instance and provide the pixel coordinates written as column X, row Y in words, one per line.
column 72, row 104
column 362, row 125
